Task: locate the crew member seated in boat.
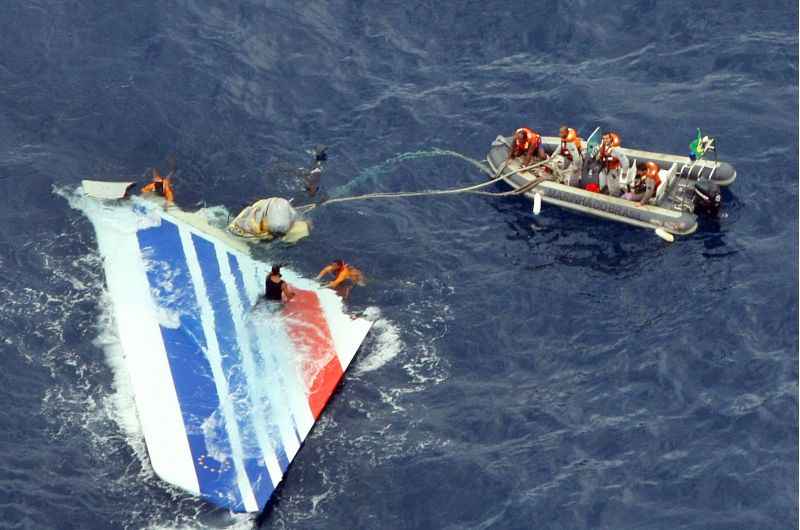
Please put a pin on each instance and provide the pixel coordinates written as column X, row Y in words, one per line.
column 646, row 184
column 614, row 164
column 526, row 143
column 160, row 186
column 342, row 272
column 277, row 290
column 570, row 151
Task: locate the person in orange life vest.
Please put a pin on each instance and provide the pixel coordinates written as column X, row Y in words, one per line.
column 276, row 289
column 571, row 154
column 615, row 163
column 342, row 272
column 646, row 184
column 161, row 186
column 526, row 143
column 571, row 143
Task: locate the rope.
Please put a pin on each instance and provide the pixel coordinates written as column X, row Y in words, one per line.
column 373, row 172
column 468, row 189
column 519, row 191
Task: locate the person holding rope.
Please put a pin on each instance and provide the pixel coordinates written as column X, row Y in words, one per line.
column 526, row 143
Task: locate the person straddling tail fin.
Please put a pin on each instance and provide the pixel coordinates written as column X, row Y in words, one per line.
column 276, row 289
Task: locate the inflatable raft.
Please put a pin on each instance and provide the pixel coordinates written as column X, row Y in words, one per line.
column 687, row 187
column 226, row 385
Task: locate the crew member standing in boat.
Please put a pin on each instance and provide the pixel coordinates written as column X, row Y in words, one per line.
column 570, row 151
column 277, row 290
column 526, row 143
column 615, row 164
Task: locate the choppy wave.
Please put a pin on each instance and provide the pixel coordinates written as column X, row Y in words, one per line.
column 550, row 371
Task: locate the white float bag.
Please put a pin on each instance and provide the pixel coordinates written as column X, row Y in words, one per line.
column 264, row 218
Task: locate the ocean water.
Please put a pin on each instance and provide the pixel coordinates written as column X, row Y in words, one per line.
column 524, row 372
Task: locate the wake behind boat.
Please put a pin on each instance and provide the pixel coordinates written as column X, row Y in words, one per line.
column 685, row 187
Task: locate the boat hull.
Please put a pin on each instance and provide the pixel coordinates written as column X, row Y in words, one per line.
column 722, row 173
column 673, row 220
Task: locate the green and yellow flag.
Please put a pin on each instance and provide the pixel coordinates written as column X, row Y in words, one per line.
column 700, row 146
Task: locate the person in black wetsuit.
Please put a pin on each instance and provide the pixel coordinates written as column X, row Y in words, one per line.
column 314, row 175
column 276, row 287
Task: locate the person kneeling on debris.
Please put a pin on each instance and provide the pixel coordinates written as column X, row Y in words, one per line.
column 342, row 272
column 270, row 218
column 160, row 186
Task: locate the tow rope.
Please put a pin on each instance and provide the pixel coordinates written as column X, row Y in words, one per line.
column 475, row 188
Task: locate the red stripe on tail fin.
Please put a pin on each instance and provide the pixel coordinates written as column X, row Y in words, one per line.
column 310, row 334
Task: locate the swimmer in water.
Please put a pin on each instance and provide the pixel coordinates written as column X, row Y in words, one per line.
column 314, row 175
column 344, row 277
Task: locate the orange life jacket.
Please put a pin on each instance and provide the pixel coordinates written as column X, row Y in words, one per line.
column 572, row 137
column 531, row 138
column 160, row 185
column 650, row 172
column 346, row 272
column 609, row 161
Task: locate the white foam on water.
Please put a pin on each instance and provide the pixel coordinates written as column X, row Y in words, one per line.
column 198, row 522
column 387, row 343
column 120, row 406
column 421, row 362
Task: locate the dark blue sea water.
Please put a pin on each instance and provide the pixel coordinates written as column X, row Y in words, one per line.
column 525, row 372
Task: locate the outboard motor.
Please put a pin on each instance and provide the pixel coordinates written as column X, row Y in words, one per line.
column 707, row 197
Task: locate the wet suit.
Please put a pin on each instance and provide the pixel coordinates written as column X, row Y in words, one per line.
column 274, row 291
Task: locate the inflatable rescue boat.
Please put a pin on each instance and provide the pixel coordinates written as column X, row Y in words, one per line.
column 688, row 187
